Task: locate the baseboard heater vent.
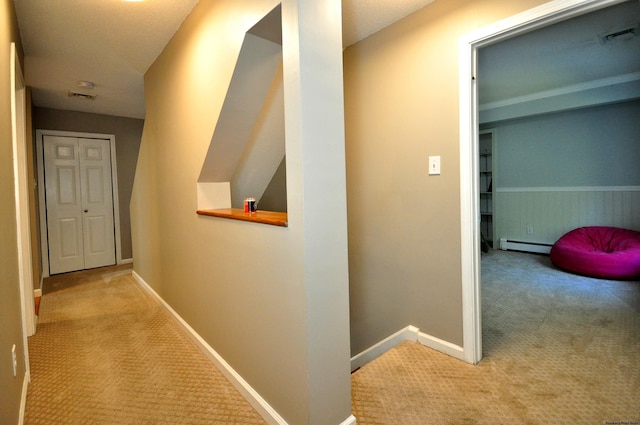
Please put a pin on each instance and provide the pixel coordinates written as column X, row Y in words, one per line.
column 537, row 247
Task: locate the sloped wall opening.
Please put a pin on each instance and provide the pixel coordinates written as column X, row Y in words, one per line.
column 248, row 144
column 263, row 152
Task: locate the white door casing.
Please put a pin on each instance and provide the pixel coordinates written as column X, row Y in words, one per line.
column 79, row 203
column 80, row 174
column 23, row 236
column 469, row 44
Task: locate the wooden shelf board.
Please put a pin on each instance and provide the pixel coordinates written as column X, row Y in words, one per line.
column 264, row 217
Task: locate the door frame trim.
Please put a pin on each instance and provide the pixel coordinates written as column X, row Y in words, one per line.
column 21, row 191
column 538, row 17
column 44, row 240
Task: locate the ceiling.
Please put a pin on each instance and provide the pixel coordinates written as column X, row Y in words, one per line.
column 113, row 42
column 567, row 54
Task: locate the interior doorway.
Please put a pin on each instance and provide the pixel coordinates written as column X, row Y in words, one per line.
column 538, row 17
column 78, row 201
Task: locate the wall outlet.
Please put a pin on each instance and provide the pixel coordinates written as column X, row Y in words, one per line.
column 529, row 230
column 14, row 360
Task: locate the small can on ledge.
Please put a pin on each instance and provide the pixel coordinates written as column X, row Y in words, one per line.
column 250, row 205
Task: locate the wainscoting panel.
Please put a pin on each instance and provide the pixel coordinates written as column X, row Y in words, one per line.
column 542, row 215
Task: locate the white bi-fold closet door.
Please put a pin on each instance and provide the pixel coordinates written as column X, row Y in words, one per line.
column 79, row 203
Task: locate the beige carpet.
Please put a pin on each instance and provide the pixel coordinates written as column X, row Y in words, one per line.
column 559, row 349
column 107, row 353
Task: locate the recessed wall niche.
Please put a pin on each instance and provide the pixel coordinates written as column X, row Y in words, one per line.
column 246, row 156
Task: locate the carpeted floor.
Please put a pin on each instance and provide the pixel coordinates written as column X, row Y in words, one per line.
column 558, row 349
column 107, row 353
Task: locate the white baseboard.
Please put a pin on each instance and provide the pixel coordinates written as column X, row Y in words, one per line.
column 125, row 261
column 351, row 420
column 23, row 397
column 441, row 345
column 534, row 247
column 410, row 333
column 252, row 396
column 37, row 293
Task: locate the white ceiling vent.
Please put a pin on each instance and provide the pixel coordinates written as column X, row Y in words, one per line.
column 620, row 35
column 82, row 95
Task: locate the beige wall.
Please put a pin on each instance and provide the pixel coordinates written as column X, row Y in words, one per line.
column 272, row 301
column 401, row 106
column 128, row 133
column 10, row 316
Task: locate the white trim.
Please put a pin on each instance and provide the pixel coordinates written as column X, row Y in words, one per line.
column 44, row 241
column 620, row 88
column 410, row 333
column 37, row 292
column 575, row 88
column 469, row 205
column 252, row 396
column 351, row 420
column 546, row 14
column 23, row 397
column 21, row 179
column 570, row 189
column 126, row 261
column 537, row 247
column 441, row 345
column 537, row 17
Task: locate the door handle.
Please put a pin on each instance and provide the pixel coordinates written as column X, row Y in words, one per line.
column 86, row 210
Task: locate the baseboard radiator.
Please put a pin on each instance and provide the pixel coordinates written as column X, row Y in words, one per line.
column 536, row 247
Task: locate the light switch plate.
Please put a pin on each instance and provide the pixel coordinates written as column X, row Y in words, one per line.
column 434, row 165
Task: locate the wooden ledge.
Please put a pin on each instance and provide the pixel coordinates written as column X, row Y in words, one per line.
column 264, row 217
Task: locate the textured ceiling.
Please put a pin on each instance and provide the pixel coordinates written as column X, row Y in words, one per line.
column 561, row 55
column 113, row 43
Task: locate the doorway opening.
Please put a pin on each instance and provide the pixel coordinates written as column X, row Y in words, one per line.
column 536, row 18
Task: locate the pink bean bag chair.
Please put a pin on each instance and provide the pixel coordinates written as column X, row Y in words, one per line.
column 598, row 251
